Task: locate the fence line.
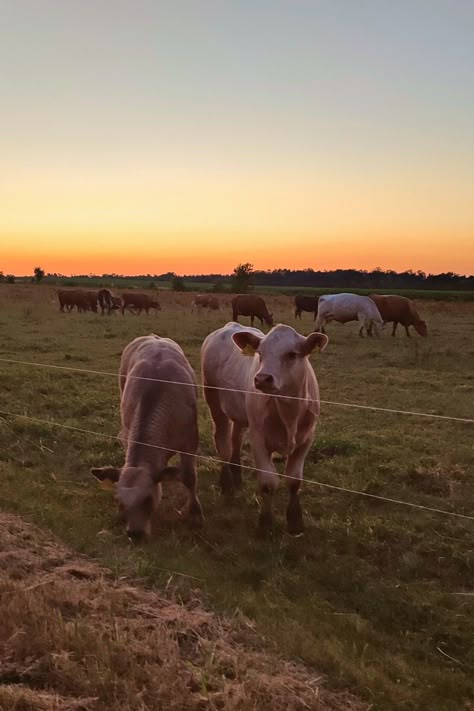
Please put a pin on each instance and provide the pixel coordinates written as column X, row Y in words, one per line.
column 248, row 392
column 244, row 466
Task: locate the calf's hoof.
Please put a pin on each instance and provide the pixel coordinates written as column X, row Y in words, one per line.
column 294, row 519
column 227, row 481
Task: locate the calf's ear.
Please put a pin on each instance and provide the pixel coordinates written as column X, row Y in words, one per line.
column 315, row 341
column 246, row 341
column 106, row 475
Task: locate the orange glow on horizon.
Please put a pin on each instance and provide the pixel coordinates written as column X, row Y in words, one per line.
column 205, row 254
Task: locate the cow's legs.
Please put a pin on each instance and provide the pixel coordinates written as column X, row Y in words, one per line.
column 320, row 324
column 252, row 320
column 267, row 478
column 237, row 433
column 294, row 473
column 408, row 332
column 395, row 324
column 189, row 479
column 222, row 438
column 362, row 321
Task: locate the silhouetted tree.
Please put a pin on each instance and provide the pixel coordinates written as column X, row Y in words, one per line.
column 38, row 274
column 242, row 278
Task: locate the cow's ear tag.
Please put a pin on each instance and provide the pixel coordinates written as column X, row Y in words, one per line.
column 248, row 350
column 107, row 485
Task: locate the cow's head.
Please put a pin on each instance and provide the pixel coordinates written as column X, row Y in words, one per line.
column 138, row 496
column 269, row 319
column 282, row 354
column 421, row 327
column 156, row 305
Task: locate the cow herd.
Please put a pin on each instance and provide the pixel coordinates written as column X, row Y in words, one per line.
column 371, row 312
column 263, row 383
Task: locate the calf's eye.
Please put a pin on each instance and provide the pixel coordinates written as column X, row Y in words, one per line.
column 292, row 356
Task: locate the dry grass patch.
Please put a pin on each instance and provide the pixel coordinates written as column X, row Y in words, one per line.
column 74, row 638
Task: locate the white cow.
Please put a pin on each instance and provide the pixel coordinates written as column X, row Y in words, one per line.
column 349, row 307
column 244, row 359
column 159, row 413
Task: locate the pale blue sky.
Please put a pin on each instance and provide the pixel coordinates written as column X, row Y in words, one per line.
column 345, row 101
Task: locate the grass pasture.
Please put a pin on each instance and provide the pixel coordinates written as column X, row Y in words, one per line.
column 377, row 596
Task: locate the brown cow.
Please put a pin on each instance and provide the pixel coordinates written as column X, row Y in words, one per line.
column 399, row 309
column 67, row 298
column 251, row 305
column 306, row 303
column 206, row 301
column 82, row 299
column 136, row 303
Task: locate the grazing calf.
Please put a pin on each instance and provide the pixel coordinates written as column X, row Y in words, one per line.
column 253, row 306
column 349, row 307
column 306, row 303
column 399, row 309
column 278, row 364
column 162, row 414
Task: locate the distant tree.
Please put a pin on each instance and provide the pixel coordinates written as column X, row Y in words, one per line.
column 177, row 284
column 38, row 274
column 242, row 278
column 10, row 279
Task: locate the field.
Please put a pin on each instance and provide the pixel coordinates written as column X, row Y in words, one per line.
column 376, row 596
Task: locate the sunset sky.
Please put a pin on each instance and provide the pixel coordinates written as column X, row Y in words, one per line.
column 145, row 136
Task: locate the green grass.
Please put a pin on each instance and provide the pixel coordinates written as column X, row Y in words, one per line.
column 376, row 595
column 131, row 283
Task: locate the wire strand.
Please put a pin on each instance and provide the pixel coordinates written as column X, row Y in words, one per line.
column 244, row 466
column 247, row 392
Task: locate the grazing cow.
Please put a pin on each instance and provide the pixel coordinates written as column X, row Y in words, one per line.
column 399, row 309
column 278, row 365
column 306, row 303
column 206, row 301
column 67, row 298
column 161, row 414
column 83, row 300
column 349, row 307
column 105, row 301
column 139, row 302
column 251, row 305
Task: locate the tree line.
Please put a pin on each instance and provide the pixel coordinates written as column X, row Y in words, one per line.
column 244, row 277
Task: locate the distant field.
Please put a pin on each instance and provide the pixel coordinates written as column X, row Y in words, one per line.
column 377, row 596
column 122, row 283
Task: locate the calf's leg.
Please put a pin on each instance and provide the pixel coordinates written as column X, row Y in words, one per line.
column 189, row 479
column 222, row 438
column 237, row 433
column 408, row 332
column 294, row 474
column 395, row 324
column 267, row 479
